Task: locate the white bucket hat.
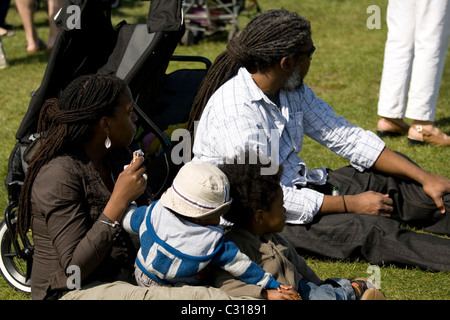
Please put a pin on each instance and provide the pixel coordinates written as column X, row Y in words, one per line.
column 200, row 190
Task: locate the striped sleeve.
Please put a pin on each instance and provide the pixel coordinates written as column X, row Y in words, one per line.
column 232, row 260
column 133, row 218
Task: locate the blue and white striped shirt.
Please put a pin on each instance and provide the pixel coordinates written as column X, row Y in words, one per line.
column 240, row 116
column 174, row 250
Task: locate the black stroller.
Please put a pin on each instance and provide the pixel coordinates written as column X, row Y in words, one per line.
column 139, row 54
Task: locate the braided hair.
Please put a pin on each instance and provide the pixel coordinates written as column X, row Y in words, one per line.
column 66, row 122
column 265, row 40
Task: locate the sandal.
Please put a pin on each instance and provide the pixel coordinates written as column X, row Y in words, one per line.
column 365, row 289
column 391, row 128
column 435, row 137
column 373, row 294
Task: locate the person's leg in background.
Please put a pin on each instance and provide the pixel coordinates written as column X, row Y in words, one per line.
column 53, row 8
column 26, row 12
column 5, row 28
column 398, row 58
column 432, row 37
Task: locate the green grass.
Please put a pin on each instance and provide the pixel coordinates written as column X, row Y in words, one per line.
column 345, row 72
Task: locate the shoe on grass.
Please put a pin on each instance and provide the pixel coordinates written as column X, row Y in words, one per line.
column 373, row 294
column 363, row 285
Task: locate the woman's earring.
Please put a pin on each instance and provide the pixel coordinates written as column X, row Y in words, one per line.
column 107, row 142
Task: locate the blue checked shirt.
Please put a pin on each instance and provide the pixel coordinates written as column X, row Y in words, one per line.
column 240, row 116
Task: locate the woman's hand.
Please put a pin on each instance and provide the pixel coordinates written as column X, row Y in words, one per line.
column 130, row 184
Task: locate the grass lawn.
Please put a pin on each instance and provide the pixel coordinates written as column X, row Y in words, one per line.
column 345, row 72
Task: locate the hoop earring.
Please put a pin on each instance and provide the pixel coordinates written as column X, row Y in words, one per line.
column 107, row 142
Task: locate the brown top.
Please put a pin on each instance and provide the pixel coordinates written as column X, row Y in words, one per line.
column 67, row 201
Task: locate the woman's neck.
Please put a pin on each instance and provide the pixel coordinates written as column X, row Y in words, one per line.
column 96, row 152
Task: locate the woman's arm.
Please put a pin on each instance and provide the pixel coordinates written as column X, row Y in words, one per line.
column 129, row 186
column 76, row 239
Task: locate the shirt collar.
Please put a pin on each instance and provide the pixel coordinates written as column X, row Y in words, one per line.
column 255, row 93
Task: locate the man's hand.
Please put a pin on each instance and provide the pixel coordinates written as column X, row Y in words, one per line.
column 436, row 186
column 370, row 202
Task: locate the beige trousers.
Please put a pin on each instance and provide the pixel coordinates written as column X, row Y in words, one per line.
column 121, row 290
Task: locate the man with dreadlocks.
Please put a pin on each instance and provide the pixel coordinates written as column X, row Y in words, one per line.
column 254, row 96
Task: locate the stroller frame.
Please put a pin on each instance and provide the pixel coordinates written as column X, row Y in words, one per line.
column 211, row 16
column 139, row 54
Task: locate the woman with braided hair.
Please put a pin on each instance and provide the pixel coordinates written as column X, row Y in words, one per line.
column 254, row 97
column 76, row 191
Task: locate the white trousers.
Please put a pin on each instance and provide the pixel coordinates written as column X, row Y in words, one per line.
column 416, row 47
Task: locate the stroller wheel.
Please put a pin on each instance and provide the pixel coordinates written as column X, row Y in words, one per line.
column 12, row 266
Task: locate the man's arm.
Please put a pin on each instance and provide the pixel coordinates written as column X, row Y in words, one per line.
column 368, row 202
column 391, row 163
column 434, row 185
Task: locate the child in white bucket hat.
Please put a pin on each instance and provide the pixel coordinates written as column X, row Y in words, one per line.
column 180, row 234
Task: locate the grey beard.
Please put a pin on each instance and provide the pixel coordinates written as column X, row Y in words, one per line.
column 294, row 81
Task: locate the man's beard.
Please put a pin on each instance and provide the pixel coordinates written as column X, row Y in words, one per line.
column 295, row 80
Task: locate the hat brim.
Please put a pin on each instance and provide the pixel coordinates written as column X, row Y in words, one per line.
column 173, row 201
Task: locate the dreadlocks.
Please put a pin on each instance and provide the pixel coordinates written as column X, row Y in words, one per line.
column 266, row 39
column 67, row 121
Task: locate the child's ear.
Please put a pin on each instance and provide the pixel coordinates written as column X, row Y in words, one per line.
column 259, row 216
